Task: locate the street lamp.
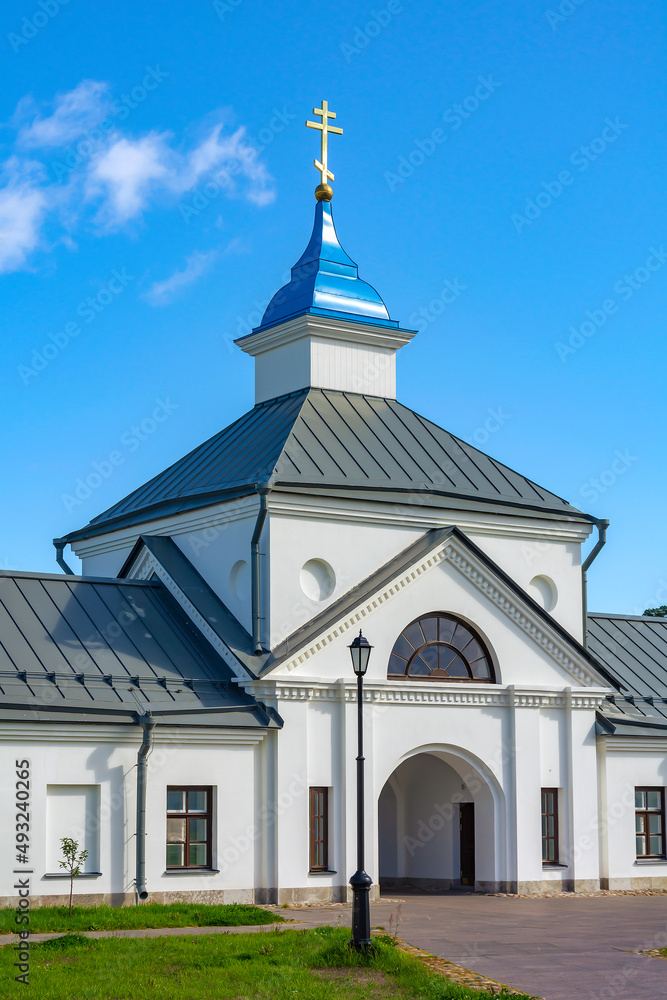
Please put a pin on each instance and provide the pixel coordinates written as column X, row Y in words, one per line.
column 360, row 651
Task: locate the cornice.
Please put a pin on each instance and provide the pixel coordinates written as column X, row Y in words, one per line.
column 427, row 516
column 326, row 328
column 415, row 693
column 217, row 517
column 366, row 510
column 129, row 736
column 533, row 626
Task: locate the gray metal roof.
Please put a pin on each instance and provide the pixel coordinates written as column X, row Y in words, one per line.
column 327, row 440
column 634, row 650
column 204, row 599
column 116, row 647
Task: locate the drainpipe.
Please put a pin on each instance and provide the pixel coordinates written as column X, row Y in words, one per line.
column 263, row 492
column 148, row 725
column 60, row 544
column 602, row 526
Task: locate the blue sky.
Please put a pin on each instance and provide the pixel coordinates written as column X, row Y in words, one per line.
column 512, row 152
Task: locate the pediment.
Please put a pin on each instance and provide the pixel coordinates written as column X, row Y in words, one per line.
column 445, row 548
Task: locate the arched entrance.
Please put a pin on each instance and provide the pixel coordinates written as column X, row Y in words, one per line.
column 440, row 824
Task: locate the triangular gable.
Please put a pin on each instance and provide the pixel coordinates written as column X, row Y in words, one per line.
column 435, row 546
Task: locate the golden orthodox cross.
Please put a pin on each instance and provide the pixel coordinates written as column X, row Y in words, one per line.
column 325, row 128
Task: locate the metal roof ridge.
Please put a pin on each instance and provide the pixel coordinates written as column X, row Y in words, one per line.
column 630, row 618
column 198, row 478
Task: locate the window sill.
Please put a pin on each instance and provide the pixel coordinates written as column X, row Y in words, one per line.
column 650, row 861
column 322, row 871
column 549, row 865
column 65, row 875
column 191, row 871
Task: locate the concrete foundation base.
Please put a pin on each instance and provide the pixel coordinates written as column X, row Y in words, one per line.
column 525, row 888
column 261, row 897
column 208, row 896
column 541, row 886
column 313, row 894
column 339, row 893
column 637, row 883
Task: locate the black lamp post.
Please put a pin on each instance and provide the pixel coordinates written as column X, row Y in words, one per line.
column 360, row 651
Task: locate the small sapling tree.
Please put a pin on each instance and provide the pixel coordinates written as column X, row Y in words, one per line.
column 73, row 858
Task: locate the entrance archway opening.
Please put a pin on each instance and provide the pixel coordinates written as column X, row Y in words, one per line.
column 437, row 819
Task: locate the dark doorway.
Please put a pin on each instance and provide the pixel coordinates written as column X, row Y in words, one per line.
column 467, row 836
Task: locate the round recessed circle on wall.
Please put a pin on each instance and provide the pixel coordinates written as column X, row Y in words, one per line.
column 543, row 590
column 317, row 579
column 239, row 580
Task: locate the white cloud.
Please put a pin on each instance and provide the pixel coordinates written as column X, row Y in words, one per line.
column 23, row 205
column 129, row 174
column 126, row 173
column 116, row 180
column 236, row 246
column 232, row 153
column 73, row 113
column 162, row 292
column 22, row 208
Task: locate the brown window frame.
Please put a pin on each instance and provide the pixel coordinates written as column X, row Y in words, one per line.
column 323, row 841
column 651, row 812
column 546, row 839
column 208, row 816
column 437, row 676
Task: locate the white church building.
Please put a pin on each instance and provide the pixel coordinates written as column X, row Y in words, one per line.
column 186, row 708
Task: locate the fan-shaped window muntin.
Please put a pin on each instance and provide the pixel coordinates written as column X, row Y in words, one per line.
column 440, row 647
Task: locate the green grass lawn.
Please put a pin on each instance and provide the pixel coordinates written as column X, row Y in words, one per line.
column 106, row 918
column 275, row 965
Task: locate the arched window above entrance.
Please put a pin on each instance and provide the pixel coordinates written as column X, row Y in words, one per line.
column 440, row 647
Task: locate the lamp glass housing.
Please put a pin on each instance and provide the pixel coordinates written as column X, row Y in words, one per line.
column 360, row 651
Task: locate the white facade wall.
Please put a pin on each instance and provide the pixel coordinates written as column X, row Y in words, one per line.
column 431, row 756
column 103, row 761
column 626, row 763
column 354, row 546
column 557, row 563
column 433, row 746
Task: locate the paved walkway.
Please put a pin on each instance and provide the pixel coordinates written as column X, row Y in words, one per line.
column 564, row 948
column 151, row 932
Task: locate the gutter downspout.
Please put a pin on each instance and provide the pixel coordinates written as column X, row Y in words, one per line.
column 147, row 723
column 602, row 526
column 60, row 544
column 263, row 492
